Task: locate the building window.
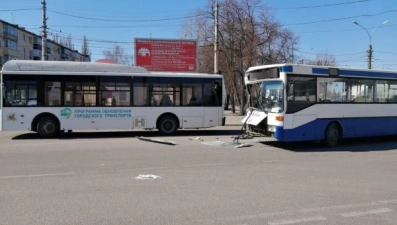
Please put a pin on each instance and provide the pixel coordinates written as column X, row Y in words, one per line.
column 10, row 30
column 11, row 44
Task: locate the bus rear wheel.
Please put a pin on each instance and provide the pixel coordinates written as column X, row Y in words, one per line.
column 332, row 135
column 47, row 127
column 168, row 125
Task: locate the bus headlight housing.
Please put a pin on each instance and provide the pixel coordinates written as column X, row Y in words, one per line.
column 271, row 129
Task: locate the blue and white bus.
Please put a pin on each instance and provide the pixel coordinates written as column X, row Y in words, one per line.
column 315, row 103
column 49, row 97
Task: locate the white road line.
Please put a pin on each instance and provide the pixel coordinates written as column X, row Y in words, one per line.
column 367, row 204
column 295, row 221
column 37, row 175
column 369, row 212
column 291, row 212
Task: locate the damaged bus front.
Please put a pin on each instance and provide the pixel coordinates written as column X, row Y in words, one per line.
column 266, row 101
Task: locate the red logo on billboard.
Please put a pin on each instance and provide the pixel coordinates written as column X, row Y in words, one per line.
column 166, row 55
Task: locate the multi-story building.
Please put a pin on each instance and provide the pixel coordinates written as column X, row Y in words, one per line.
column 18, row 43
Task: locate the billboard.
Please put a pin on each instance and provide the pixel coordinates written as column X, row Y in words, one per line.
column 179, row 55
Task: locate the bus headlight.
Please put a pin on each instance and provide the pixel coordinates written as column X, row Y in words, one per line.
column 271, row 128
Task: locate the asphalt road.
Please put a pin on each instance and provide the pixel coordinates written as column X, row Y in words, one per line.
column 115, row 178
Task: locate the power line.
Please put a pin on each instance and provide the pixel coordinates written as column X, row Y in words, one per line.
column 132, row 20
column 15, row 10
column 321, row 6
column 342, row 18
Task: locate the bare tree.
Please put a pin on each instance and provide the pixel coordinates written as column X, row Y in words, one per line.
column 118, row 55
column 56, row 38
column 248, row 36
column 323, row 59
column 84, row 47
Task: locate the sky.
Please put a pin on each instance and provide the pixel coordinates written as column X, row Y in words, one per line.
column 324, row 26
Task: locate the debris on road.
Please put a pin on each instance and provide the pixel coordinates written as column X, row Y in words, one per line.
column 147, row 176
column 227, row 144
column 243, row 145
column 157, row 141
column 197, row 138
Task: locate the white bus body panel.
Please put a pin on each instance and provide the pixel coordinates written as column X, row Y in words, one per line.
column 82, row 118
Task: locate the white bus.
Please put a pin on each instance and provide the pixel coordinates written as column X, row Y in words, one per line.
column 49, row 97
column 313, row 103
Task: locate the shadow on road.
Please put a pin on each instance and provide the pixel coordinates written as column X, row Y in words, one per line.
column 129, row 134
column 368, row 144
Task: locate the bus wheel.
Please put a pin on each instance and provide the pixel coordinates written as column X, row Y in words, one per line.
column 47, row 127
column 332, row 136
column 168, row 125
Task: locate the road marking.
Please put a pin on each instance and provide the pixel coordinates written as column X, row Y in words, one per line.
column 37, row 175
column 295, row 221
column 291, row 212
column 369, row 212
column 368, row 204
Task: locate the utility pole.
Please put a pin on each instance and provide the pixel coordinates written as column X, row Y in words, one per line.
column 44, row 33
column 216, row 38
column 370, row 34
column 370, row 56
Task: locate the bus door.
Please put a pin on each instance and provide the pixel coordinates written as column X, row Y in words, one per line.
column 301, row 96
column 213, row 99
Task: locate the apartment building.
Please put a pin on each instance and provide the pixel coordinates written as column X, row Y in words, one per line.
column 18, row 43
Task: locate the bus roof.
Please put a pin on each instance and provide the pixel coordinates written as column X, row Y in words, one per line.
column 326, row 70
column 67, row 66
column 32, row 67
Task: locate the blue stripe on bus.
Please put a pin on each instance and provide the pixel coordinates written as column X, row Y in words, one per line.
column 367, row 74
column 352, row 127
column 320, row 71
column 286, row 69
column 354, row 73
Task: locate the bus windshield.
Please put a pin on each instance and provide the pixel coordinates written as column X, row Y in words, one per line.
column 268, row 96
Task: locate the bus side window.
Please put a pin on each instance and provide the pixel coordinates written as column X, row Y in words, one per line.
column 165, row 100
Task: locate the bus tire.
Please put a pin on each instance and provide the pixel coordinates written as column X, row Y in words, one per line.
column 168, row 125
column 332, row 135
column 48, row 127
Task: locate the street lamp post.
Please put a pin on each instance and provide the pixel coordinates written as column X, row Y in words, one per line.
column 370, row 40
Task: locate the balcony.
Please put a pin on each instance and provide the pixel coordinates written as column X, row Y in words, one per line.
column 36, row 53
column 37, row 41
column 10, row 36
column 9, row 51
column 37, row 46
column 64, row 56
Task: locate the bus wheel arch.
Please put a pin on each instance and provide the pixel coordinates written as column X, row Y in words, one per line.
column 333, row 134
column 46, row 125
column 167, row 123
